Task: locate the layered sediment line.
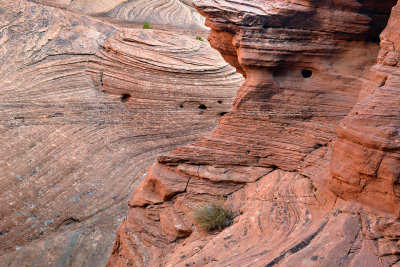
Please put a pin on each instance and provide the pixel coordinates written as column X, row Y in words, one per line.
column 164, row 12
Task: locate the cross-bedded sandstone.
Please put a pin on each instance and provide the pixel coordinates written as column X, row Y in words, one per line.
column 85, row 106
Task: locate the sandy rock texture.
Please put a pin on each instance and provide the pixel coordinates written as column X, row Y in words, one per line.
column 85, row 107
column 172, row 12
column 308, row 158
column 366, row 157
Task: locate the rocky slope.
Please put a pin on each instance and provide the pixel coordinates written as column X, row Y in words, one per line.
column 85, row 106
column 309, row 156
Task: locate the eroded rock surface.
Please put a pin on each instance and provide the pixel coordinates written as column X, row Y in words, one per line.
column 366, row 157
column 85, row 107
column 307, row 158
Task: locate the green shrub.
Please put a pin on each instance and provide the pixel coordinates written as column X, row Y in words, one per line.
column 199, row 38
column 213, row 215
column 147, row 26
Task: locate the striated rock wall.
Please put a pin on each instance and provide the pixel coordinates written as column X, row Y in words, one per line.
column 172, row 12
column 85, row 107
column 307, row 158
column 366, row 157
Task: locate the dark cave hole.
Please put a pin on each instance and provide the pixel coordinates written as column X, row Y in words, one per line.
column 265, row 27
column 181, row 106
column 219, row 102
column 125, row 98
column 70, row 221
column 306, row 73
column 202, row 107
column 316, row 146
column 222, row 113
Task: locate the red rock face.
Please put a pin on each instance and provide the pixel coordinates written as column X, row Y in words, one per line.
column 366, row 157
column 308, row 157
column 86, row 105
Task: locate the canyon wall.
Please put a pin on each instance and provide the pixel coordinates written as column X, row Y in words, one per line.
column 308, row 158
column 85, row 106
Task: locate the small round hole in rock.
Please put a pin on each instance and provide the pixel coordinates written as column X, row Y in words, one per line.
column 219, row 102
column 125, row 98
column 181, row 106
column 306, row 73
column 203, row 107
column 316, row 146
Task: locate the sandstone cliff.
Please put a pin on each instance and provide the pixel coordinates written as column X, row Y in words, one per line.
column 308, row 157
column 86, row 105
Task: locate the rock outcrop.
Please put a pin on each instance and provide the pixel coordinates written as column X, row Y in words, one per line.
column 85, row 106
column 309, row 156
column 366, row 157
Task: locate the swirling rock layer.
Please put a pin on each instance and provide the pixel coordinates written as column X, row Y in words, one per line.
column 85, row 107
column 307, row 158
column 172, row 12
